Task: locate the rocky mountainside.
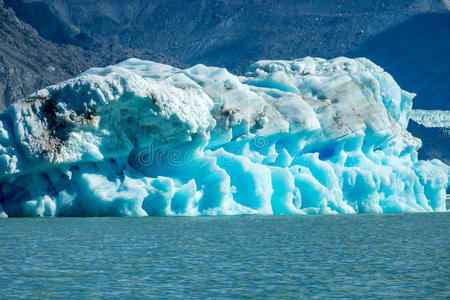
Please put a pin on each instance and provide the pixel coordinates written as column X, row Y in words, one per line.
column 29, row 62
column 408, row 38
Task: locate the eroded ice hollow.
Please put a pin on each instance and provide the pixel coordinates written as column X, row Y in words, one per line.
column 308, row 136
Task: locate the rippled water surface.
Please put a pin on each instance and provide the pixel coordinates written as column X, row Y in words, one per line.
column 386, row 256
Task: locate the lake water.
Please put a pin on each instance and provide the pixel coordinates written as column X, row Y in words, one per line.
column 386, row 256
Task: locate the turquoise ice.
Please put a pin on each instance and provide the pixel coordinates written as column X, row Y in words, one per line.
column 308, row 136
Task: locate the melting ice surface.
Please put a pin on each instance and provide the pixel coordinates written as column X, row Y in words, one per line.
column 139, row 138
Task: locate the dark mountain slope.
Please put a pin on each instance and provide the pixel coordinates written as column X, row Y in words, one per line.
column 228, row 33
column 417, row 54
column 435, row 142
column 410, row 39
column 28, row 62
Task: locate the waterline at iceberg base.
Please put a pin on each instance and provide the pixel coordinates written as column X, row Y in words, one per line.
column 308, row 136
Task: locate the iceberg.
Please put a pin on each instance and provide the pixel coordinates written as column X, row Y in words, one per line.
column 307, row 136
column 432, row 118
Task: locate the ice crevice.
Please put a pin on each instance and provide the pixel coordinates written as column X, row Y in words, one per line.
column 307, row 136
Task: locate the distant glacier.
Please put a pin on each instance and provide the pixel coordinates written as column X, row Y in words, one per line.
column 308, row 136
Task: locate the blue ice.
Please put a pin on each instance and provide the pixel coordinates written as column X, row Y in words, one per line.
column 308, row 136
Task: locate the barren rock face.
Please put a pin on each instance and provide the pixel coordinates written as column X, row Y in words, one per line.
column 29, row 62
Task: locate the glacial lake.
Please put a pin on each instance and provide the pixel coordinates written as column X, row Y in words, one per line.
column 353, row 256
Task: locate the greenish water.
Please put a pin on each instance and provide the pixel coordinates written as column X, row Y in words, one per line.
column 364, row 256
